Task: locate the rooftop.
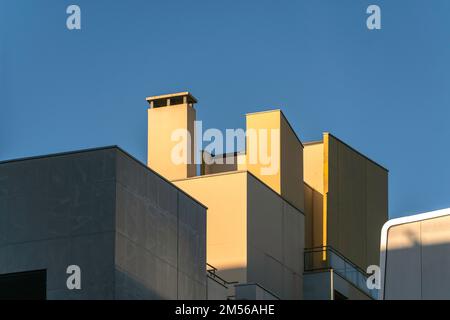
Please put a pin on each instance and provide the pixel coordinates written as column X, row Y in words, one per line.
column 171, row 99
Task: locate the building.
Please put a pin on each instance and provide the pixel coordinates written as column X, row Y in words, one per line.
column 415, row 257
column 133, row 234
column 309, row 230
column 346, row 206
column 281, row 219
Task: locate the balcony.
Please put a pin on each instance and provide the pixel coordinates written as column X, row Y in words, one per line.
column 327, row 258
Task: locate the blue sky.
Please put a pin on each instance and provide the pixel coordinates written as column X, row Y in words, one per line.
column 385, row 92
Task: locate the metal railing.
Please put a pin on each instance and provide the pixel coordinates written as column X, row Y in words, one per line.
column 212, row 273
column 326, row 258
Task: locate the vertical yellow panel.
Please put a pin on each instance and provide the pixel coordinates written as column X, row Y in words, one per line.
column 291, row 166
column 355, row 196
column 260, row 127
column 162, row 123
column 272, row 130
column 225, row 195
column 313, row 165
column 326, row 145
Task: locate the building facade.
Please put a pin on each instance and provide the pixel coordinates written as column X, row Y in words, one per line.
column 133, row 234
column 315, row 220
column 346, row 199
column 415, row 257
column 279, row 219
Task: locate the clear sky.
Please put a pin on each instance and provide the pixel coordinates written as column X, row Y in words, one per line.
column 384, row 92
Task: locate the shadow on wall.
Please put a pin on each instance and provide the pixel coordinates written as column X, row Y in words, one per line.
column 417, row 267
column 281, row 283
column 128, row 287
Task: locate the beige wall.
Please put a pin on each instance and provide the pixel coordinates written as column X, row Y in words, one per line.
column 418, row 260
column 357, row 205
column 162, row 122
column 253, row 235
column 275, row 242
column 313, row 171
column 314, row 165
column 288, row 180
column 354, row 195
column 225, row 195
column 270, row 121
column 291, row 166
column 313, row 218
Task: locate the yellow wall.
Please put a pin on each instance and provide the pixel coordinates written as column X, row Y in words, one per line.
column 354, row 195
column 253, row 234
column 269, row 121
column 343, row 193
column 356, row 203
column 288, row 180
column 291, row 166
column 313, row 165
column 161, row 124
column 275, row 241
column 313, row 171
column 313, row 218
column 225, row 195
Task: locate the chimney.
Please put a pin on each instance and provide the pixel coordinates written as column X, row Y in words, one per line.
column 171, row 141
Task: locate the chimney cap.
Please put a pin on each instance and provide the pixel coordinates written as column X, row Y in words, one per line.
column 189, row 97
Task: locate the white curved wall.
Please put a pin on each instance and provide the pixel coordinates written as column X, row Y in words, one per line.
column 415, row 257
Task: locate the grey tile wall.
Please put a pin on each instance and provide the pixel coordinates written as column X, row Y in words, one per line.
column 134, row 235
column 161, row 237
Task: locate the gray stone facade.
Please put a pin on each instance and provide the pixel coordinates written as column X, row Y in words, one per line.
column 133, row 234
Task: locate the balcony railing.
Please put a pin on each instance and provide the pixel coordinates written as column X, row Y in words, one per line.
column 212, row 273
column 326, row 258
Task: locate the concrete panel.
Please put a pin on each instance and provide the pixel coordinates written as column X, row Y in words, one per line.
column 377, row 210
column 435, row 237
column 313, row 157
column 273, row 279
column 403, row 262
column 275, row 241
column 356, row 202
column 293, row 285
column 331, row 195
column 225, row 196
column 162, row 123
column 124, row 233
column 265, row 219
column 94, row 254
column 317, row 286
column 216, row 290
column 347, row 289
column 270, row 132
column 291, row 165
column 261, row 128
column 191, row 238
column 351, row 206
column 253, row 292
column 59, row 211
column 293, row 238
column 189, row 289
column 57, row 196
column 161, row 237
